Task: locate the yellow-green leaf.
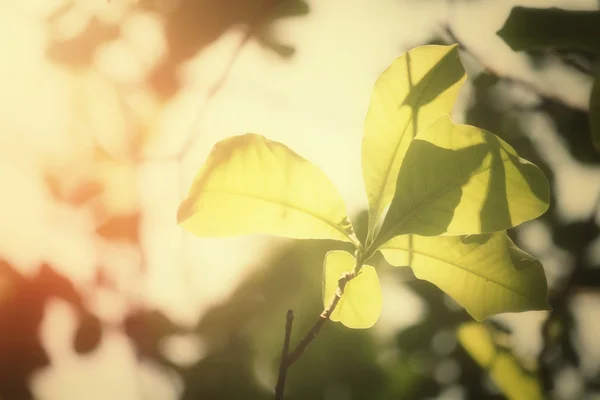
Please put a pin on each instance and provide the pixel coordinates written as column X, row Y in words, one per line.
column 412, row 92
column 360, row 305
column 502, row 366
column 458, row 180
column 250, row 184
column 486, row 274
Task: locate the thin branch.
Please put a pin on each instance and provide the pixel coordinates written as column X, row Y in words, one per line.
column 312, row 334
column 249, row 30
column 279, row 389
column 288, row 359
column 213, row 91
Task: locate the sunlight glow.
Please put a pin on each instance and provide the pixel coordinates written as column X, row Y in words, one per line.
column 86, row 144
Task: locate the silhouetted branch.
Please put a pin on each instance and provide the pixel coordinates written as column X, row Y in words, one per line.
column 288, row 359
column 216, row 87
column 212, row 92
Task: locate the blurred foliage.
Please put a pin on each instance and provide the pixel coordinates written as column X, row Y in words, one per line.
column 558, row 29
column 560, row 331
column 22, row 305
column 543, row 28
column 514, row 380
column 189, row 26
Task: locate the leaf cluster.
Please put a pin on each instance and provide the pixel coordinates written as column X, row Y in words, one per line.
column 441, row 196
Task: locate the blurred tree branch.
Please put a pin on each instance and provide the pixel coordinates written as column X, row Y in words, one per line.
column 490, row 69
column 212, row 93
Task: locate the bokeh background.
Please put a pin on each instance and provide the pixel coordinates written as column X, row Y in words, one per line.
column 107, row 111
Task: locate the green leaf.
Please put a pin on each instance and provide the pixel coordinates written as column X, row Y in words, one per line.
column 412, row 92
column 459, row 179
column 595, row 113
column 543, row 28
column 253, row 185
column 504, row 369
column 486, row 274
column 360, row 305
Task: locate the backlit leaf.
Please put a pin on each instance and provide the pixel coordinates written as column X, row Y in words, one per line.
column 253, row 185
column 360, row 305
column 486, row 274
column 459, row 179
column 502, row 366
column 412, row 92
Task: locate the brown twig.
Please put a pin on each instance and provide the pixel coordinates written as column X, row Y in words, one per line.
column 248, row 31
column 288, row 359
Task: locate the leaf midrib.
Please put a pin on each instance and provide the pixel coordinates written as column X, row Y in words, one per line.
column 440, row 194
column 462, row 268
column 384, row 185
column 282, row 204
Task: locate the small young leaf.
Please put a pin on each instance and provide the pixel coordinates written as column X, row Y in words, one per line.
column 458, row 180
column 411, row 93
column 360, row 305
column 504, row 369
column 486, row 274
column 253, row 185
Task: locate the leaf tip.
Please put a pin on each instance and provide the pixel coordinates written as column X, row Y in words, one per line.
column 184, row 215
column 183, row 212
column 477, row 316
column 442, row 120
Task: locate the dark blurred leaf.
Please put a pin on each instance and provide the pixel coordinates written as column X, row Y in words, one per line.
column 225, row 375
column 485, row 81
column 189, row 26
column 79, row 51
column 595, row 112
column 568, row 349
column 283, row 50
column 88, row 334
column 542, row 28
column 22, row 309
column 402, row 380
column 146, row 329
column 121, row 227
column 573, row 127
column 576, row 236
column 499, row 326
column 290, row 8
